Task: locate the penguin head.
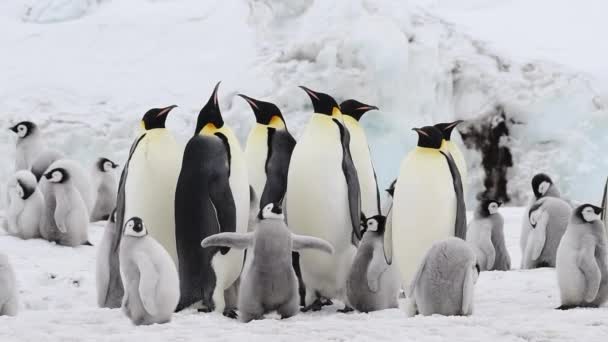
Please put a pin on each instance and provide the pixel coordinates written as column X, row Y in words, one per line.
column 323, row 103
column 355, row 109
column 446, row 128
column 375, row 224
column 588, row 213
column 210, row 115
column 488, row 207
column 266, row 113
column 135, row 227
column 541, row 184
column 391, row 188
column 156, row 117
column 58, row 175
column 271, row 211
column 24, row 129
column 429, row 137
column 24, row 190
column 106, row 165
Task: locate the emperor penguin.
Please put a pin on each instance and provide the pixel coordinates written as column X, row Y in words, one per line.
column 542, row 186
column 444, row 283
column 486, row 234
column 212, row 197
column 9, row 302
column 147, row 184
column 323, row 200
column 268, row 151
column 106, row 187
column 448, row 145
column 428, row 205
column 549, row 218
column 29, row 144
column 26, row 206
column 149, row 276
column 71, row 216
column 268, row 282
column 109, row 284
column 582, row 260
column 353, row 111
column 372, row 283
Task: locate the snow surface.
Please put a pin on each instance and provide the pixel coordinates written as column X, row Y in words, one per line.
column 58, row 303
column 89, row 72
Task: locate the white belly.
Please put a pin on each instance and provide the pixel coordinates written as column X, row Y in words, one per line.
column 424, row 209
column 317, row 200
column 256, row 153
column 359, row 150
column 150, row 186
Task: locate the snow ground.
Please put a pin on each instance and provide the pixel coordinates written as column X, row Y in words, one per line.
column 57, row 289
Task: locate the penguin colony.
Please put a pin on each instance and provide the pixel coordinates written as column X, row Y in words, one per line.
column 308, row 214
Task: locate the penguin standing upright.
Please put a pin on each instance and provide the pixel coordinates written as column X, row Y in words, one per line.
column 370, row 196
column 29, row 144
column 448, row 145
column 323, row 200
column 147, row 184
column 428, row 205
column 212, row 197
column 106, row 188
column 268, row 152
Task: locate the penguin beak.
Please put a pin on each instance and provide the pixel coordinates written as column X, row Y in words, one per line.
column 367, row 108
column 310, row 93
column 419, row 131
column 251, row 102
column 454, row 124
column 14, row 128
column 48, row 175
column 499, row 204
column 114, row 165
column 166, row 110
column 214, row 95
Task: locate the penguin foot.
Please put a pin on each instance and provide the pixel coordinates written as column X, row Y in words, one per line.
column 230, row 313
column 326, row 302
column 346, row 309
column 565, row 307
column 204, row 309
column 315, row 306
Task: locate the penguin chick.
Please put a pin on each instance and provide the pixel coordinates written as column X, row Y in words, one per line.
column 109, row 285
column 106, row 188
column 70, row 213
column 445, row 281
column 372, row 283
column 548, row 218
column 582, row 260
column 29, row 144
column 149, row 276
column 268, row 282
column 486, row 234
column 9, row 305
column 26, row 206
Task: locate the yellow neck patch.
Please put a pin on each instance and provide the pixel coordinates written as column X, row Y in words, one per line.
column 208, row 129
column 276, row 122
column 336, row 113
column 426, row 150
column 350, row 120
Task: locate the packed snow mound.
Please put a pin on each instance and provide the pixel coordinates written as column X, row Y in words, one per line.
column 49, row 11
column 99, row 75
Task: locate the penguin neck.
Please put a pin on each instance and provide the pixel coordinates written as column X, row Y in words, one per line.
column 277, row 123
column 426, row 150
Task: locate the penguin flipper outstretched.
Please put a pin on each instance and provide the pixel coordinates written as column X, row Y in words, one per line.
column 460, row 225
column 301, row 242
column 281, row 145
column 387, row 244
column 147, row 283
column 232, row 240
column 352, row 182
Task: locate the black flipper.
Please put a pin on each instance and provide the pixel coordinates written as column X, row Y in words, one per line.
column 605, row 203
column 280, row 147
column 352, row 181
column 460, row 226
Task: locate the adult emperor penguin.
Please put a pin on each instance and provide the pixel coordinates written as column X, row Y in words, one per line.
column 105, row 187
column 29, row 144
column 26, row 206
column 323, row 200
column 582, row 260
column 448, row 145
column 212, row 196
column 428, row 205
column 147, row 184
column 353, row 110
column 268, row 151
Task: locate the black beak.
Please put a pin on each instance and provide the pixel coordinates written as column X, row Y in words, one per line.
column 48, row 175
column 166, row 110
